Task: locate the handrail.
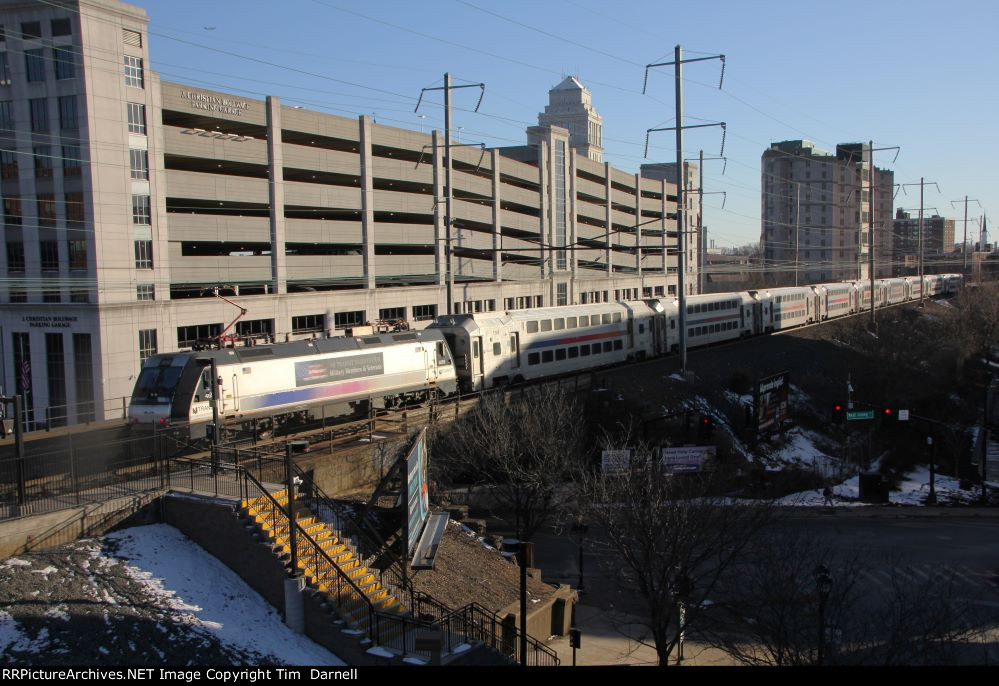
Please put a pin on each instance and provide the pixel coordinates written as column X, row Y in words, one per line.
column 275, row 506
column 488, row 629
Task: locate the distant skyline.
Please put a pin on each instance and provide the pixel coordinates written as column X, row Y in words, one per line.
column 905, row 74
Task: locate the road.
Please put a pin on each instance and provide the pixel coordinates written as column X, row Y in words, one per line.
column 921, row 542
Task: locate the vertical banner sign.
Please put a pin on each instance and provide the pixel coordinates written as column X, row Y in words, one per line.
column 770, row 406
column 417, row 495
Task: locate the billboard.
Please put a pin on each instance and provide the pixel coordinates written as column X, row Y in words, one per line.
column 770, row 402
column 687, row 459
column 417, row 494
column 615, row 461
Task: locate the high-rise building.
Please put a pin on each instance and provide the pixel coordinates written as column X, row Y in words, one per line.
column 570, row 105
column 938, row 238
column 815, row 211
column 130, row 202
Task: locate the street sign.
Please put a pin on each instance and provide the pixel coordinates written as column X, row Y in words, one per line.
column 859, row 414
column 903, row 415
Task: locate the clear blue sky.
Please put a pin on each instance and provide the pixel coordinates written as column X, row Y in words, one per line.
column 917, row 74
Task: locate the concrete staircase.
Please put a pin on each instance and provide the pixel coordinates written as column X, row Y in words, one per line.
column 327, row 562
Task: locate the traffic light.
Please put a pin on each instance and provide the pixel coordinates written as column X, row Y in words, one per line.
column 888, row 414
column 706, row 427
column 838, row 413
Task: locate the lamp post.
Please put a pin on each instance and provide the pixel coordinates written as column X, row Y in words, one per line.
column 579, row 527
column 823, row 584
column 931, row 499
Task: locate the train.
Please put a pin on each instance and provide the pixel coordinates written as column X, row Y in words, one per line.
column 261, row 388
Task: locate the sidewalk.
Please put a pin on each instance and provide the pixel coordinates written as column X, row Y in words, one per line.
column 605, row 642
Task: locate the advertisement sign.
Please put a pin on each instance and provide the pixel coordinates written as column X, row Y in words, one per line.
column 615, row 461
column 417, row 494
column 770, row 402
column 313, row 372
column 686, row 460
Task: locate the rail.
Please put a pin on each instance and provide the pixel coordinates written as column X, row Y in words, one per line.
column 392, row 631
column 473, row 622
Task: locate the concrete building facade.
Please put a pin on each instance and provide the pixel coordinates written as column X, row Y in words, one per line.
column 815, row 211
column 570, row 106
column 938, row 238
column 129, row 202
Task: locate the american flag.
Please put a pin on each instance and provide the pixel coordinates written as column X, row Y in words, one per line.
column 26, row 375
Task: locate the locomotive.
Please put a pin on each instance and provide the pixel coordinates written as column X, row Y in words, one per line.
column 268, row 385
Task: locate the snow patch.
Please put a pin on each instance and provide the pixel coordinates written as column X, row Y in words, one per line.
column 380, row 652
column 58, row 612
column 15, row 562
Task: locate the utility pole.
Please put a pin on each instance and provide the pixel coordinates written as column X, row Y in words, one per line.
column 448, row 272
column 449, row 193
column 964, row 245
column 681, row 179
column 870, row 234
column 797, row 229
column 922, row 282
column 701, row 244
column 702, row 235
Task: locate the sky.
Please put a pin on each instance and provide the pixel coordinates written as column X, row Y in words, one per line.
column 918, row 75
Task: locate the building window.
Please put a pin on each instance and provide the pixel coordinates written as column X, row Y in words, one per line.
column 83, row 367
column 15, row 256
column 140, row 209
column 147, row 344
column 35, row 63
column 18, row 295
column 308, row 323
column 65, row 63
column 191, row 336
column 61, row 27
column 143, row 254
column 562, row 294
column 133, row 72
column 139, row 162
column 73, row 204
column 424, row 312
column 342, row 320
column 39, row 114
column 71, row 160
column 43, row 162
column 388, row 314
column 12, row 214
column 31, row 30
column 4, row 70
column 46, row 209
column 136, row 118
column 51, row 295
column 50, row 255
column 79, row 295
column 145, row 291
column 77, row 255
column 55, row 359
column 7, row 115
column 67, row 112
column 255, row 327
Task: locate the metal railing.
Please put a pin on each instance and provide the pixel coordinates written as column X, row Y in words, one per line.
column 474, row 623
column 323, row 572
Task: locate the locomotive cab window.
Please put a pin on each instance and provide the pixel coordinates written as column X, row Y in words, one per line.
column 442, row 355
column 205, row 387
column 497, row 348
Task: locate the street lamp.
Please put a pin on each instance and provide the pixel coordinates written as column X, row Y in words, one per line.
column 823, row 584
column 579, row 527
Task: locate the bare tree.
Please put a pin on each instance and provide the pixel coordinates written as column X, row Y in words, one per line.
column 672, row 540
column 522, row 450
column 976, row 321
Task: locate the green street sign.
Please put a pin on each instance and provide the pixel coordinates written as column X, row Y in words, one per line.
column 859, row 414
